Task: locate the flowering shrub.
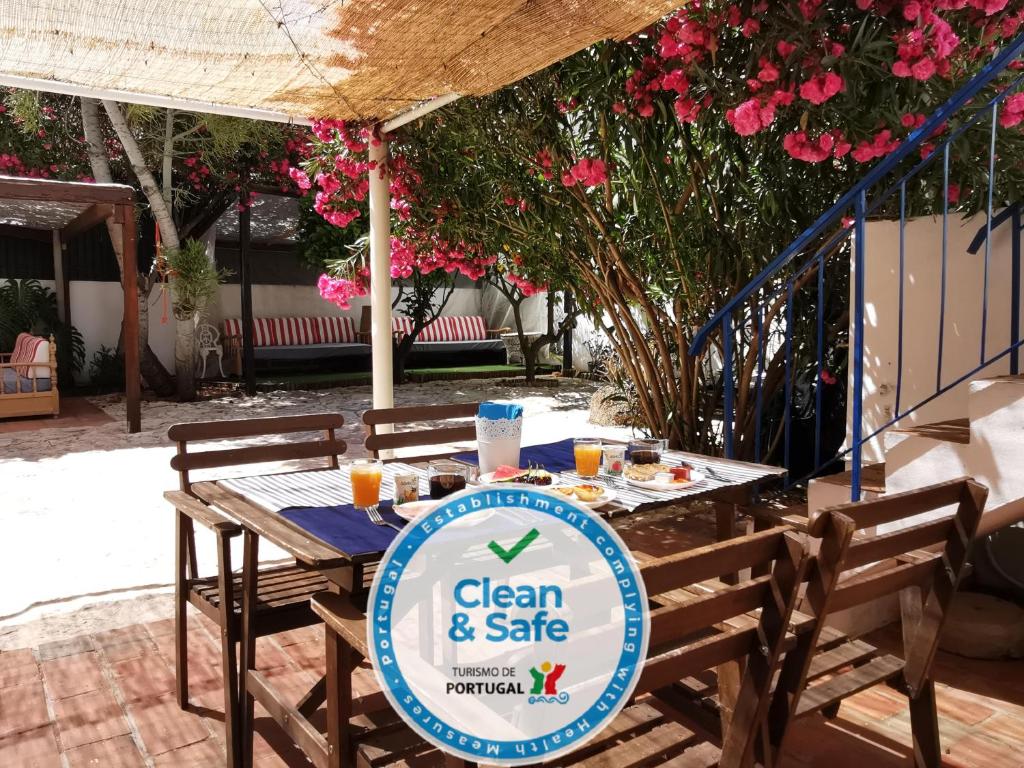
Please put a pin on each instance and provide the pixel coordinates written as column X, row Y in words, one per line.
column 336, row 170
column 761, row 72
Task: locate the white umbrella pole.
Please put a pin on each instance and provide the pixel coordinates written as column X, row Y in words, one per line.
column 380, row 280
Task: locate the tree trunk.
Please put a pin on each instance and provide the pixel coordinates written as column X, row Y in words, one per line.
column 156, row 376
column 183, row 367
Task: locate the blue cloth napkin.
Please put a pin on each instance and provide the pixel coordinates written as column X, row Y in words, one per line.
column 346, row 528
column 492, row 411
column 554, row 457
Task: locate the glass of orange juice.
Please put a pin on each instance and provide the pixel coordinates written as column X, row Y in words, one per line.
column 588, row 455
column 365, row 475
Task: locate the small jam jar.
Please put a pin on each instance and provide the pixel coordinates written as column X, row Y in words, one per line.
column 614, row 460
column 407, row 488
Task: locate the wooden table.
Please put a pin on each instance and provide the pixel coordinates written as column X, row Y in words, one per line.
column 347, row 574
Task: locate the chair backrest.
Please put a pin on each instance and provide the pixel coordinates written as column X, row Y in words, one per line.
column 699, row 622
column 923, row 562
column 207, row 336
column 460, row 431
column 186, row 435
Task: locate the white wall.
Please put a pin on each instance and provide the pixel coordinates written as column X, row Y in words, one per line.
column 961, row 345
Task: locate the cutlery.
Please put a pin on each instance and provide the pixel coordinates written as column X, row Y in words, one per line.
column 377, row 519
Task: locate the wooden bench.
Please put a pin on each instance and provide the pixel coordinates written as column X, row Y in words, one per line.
column 924, row 564
column 690, row 633
column 283, row 592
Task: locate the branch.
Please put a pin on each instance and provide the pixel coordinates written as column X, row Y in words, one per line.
column 168, row 231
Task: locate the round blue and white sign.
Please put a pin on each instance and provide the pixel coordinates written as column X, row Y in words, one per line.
column 508, row 625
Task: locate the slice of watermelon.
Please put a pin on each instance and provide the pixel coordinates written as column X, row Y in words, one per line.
column 504, row 473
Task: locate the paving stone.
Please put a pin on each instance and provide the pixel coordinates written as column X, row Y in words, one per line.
column 118, row 752
column 131, row 649
column 22, row 708
column 72, row 675
column 133, row 632
column 978, row 751
column 159, row 628
column 143, row 677
column 89, row 718
column 1007, row 728
column 36, row 748
column 69, row 647
column 163, row 726
column 17, row 668
column 202, row 753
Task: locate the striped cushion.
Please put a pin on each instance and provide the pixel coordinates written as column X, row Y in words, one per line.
column 337, row 330
column 456, row 328
column 31, row 349
column 295, row 331
column 403, row 324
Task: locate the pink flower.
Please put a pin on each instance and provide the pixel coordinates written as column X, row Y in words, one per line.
column 588, row 172
column 750, row 28
column 800, row 147
column 300, row 178
column 923, row 69
column 750, row 117
column 784, row 48
column 879, row 146
column 769, row 73
column 1013, row 111
column 820, row 89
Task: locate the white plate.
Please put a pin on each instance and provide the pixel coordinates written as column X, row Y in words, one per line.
column 610, row 494
column 651, row 485
column 487, row 478
column 412, row 510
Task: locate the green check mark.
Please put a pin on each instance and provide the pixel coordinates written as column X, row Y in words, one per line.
column 508, row 555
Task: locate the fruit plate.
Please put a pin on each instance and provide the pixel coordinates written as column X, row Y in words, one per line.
column 412, row 510
column 653, row 485
column 609, row 495
column 487, row 478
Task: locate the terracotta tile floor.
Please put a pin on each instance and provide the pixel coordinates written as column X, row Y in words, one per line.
column 74, row 412
column 106, row 700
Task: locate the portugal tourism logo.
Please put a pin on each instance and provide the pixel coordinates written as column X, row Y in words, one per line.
column 545, row 684
column 508, row 625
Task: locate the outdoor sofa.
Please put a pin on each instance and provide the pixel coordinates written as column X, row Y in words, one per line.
column 29, row 378
column 445, row 335
column 296, row 339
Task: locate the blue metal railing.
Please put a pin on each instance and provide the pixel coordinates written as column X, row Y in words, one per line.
column 748, row 317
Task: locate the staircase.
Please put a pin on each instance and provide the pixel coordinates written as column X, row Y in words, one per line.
column 786, row 308
column 987, row 444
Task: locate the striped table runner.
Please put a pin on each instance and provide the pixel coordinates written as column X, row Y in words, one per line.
column 319, row 488
column 326, row 488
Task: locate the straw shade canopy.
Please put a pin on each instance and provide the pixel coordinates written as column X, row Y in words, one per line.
column 296, row 59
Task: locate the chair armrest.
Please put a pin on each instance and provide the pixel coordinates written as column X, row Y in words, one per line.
column 494, row 333
column 344, row 618
column 201, row 513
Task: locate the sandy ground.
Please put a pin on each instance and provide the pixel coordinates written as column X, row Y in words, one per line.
column 82, row 517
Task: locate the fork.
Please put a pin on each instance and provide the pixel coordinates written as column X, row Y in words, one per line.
column 378, row 519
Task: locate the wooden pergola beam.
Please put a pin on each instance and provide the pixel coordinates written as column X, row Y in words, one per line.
column 86, row 220
column 12, row 188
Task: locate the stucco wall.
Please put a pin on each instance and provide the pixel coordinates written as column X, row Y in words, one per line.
column 961, row 342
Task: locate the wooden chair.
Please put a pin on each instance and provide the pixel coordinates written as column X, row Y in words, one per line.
column 923, row 563
column 283, row 592
column 387, row 441
column 697, row 623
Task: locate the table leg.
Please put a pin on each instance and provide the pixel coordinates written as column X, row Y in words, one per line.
column 250, row 568
column 340, row 663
